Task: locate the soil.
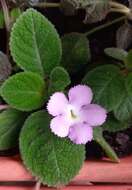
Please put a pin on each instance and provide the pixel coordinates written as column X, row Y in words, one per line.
column 121, row 141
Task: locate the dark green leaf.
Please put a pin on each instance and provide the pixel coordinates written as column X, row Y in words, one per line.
column 123, row 111
column 113, row 125
column 128, row 60
column 24, row 91
column 59, row 80
column 98, row 137
column 11, row 122
column 34, row 43
column 76, row 51
column 107, row 84
column 54, row 161
column 116, row 53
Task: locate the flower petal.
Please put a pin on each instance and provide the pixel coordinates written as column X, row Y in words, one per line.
column 80, row 95
column 59, row 126
column 57, row 104
column 81, row 133
column 94, row 114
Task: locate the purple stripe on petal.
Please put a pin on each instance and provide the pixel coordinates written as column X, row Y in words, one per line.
column 81, row 133
column 80, row 95
column 57, row 104
column 94, row 114
column 59, row 126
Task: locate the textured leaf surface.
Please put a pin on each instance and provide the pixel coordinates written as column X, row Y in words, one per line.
column 116, row 53
column 113, row 125
column 128, row 60
column 76, row 51
column 107, row 84
column 123, row 112
column 59, row 80
column 5, row 67
column 24, row 91
column 98, row 137
column 34, row 43
column 11, row 122
column 96, row 10
column 55, row 161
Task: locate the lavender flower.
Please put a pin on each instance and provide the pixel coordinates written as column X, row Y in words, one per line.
column 75, row 117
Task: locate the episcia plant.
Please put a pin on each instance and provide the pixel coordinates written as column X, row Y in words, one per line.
column 52, row 129
column 50, row 117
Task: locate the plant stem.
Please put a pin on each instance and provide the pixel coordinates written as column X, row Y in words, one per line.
column 38, row 185
column 117, row 5
column 108, row 150
column 47, row 5
column 3, row 107
column 6, row 14
column 98, row 28
column 124, row 11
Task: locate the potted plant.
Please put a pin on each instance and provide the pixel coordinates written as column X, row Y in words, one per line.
column 59, row 91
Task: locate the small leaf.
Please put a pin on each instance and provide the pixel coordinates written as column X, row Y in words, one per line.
column 2, row 21
column 124, row 36
column 15, row 13
column 113, row 125
column 5, row 67
column 68, row 7
column 24, row 91
column 59, row 80
column 95, row 10
column 34, row 43
column 116, row 53
column 123, row 112
column 53, row 160
column 128, row 60
column 76, row 51
column 98, row 137
column 107, row 84
column 11, row 122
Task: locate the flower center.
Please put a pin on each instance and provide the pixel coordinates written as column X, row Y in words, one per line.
column 72, row 114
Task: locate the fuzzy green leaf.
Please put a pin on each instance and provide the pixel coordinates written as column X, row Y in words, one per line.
column 107, row 84
column 24, row 91
column 2, row 21
column 59, row 80
column 15, row 13
column 34, row 43
column 123, row 112
column 98, row 137
column 113, row 125
column 116, row 53
column 76, row 51
column 11, row 122
column 128, row 60
column 54, row 161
